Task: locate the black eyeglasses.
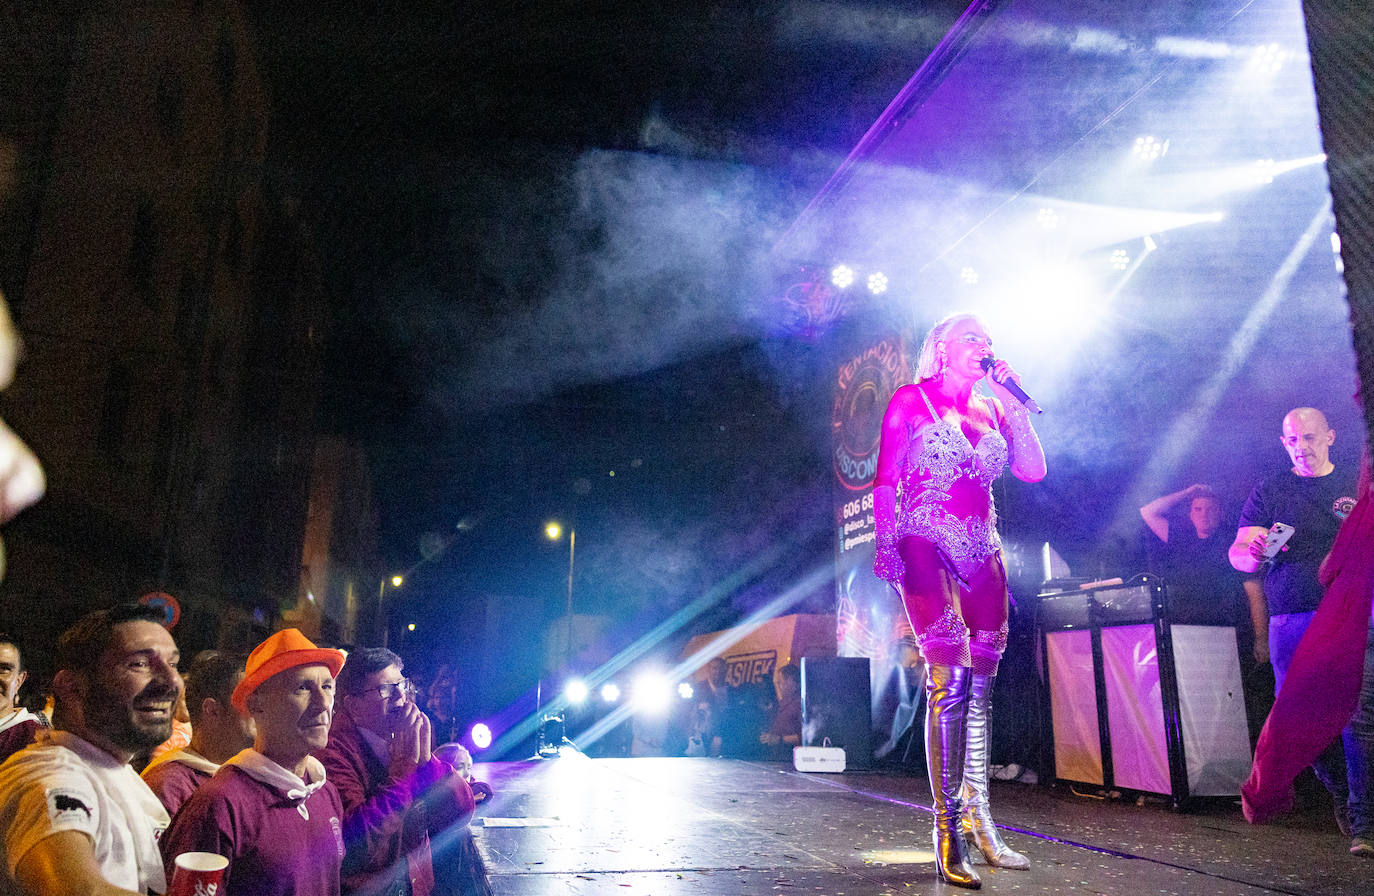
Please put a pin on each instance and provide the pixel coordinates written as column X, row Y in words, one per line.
column 389, row 690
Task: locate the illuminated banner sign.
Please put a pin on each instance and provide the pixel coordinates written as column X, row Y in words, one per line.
column 870, row 620
column 750, row 668
column 862, row 391
column 752, row 654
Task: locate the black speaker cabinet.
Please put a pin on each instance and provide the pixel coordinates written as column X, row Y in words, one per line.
column 836, row 697
column 1138, row 701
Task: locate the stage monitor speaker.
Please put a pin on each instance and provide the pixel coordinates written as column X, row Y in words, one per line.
column 837, row 704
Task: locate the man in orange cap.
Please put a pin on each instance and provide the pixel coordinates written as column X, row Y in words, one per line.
column 269, row 809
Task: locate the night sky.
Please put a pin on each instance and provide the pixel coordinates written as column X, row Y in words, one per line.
column 547, row 228
column 551, row 232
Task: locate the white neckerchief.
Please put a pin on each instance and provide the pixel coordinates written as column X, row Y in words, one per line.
column 186, row 756
column 281, row 779
column 17, row 717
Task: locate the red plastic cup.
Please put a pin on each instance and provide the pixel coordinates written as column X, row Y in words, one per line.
column 197, row 874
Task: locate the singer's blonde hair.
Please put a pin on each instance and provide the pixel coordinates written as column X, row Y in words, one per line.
column 927, row 362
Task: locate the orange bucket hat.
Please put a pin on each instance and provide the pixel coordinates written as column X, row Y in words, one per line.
column 287, row 649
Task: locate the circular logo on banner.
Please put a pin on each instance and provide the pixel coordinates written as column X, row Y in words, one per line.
column 862, row 391
column 159, row 600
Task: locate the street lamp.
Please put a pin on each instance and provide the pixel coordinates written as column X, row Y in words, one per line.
column 396, row 582
column 553, row 530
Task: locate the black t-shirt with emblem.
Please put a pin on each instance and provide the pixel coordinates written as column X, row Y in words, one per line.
column 1314, row 506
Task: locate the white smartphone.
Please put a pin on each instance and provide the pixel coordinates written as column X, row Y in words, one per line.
column 1278, row 536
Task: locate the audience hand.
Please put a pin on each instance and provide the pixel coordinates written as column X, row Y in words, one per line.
column 410, row 745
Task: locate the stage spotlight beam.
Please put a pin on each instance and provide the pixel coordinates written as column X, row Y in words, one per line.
column 1178, row 440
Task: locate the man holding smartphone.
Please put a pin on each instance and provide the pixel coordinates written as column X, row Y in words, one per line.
column 1311, row 499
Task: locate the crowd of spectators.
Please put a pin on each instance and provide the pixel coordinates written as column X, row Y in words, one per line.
column 311, row 769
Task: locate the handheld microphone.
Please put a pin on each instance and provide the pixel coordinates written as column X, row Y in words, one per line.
column 1011, row 386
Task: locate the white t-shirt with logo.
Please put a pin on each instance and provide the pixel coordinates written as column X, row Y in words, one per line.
column 63, row 783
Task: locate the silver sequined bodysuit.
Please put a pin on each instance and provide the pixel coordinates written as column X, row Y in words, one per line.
column 941, row 465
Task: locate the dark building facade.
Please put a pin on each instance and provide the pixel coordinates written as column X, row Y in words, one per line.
column 172, row 309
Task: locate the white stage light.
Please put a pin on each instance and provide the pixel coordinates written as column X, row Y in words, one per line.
column 877, row 283
column 1263, row 172
column 1267, row 59
column 1120, row 259
column 575, row 691
column 1149, row 149
column 968, row 275
column 481, row 736
column 685, row 690
column 652, row 693
column 842, row 276
column 610, row 692
column 1047, row 218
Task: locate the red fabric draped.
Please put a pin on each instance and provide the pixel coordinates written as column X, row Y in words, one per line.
column 1323, row 684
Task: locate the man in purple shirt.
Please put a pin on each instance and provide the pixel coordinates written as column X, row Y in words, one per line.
column 18, row 726
column 398, row 798
column 269, row 809
column 218, row 730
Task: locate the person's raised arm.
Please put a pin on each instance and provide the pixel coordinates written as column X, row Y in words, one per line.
column 1259, row 618
column 1027, row 456
column 1014, row 422
column 64, row 864
column 374, row 815
column 1247, row 551
column 887, row 564
column 1156, row 513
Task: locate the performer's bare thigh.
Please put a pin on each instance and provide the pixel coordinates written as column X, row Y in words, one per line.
column 929, row 586
column 985, row 597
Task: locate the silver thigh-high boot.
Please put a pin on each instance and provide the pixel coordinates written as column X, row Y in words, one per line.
column 976, row 819
column 946, row 720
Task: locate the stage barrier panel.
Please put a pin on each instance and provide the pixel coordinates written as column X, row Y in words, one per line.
column 1135, row 708
column 1073, row 709
column 1211, row 696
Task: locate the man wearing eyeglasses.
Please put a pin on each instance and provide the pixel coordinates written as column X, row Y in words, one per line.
column 396, row 794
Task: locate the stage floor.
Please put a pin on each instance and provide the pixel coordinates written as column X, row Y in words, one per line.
column 716, row 826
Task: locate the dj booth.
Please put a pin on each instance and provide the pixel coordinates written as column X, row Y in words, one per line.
column 1139, row 700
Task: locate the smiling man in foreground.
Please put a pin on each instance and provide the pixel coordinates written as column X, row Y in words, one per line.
column 75, row 816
